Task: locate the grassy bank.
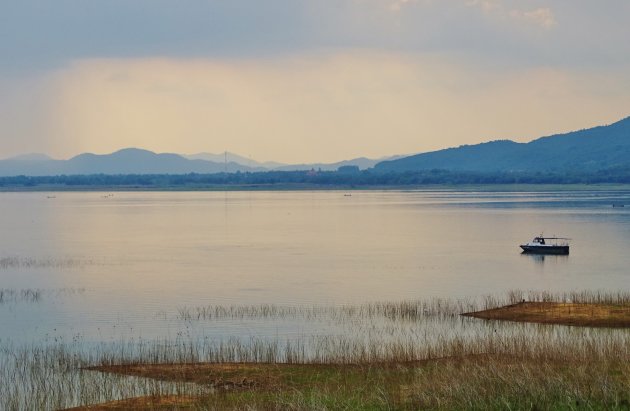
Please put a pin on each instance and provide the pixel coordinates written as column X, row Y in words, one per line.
column 389, row 355
column 576, row 314
column 468, row 382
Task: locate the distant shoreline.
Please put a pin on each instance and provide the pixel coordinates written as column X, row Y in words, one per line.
column 318, row 187
column 318, row 180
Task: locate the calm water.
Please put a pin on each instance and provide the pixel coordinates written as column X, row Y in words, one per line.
column 110, row 267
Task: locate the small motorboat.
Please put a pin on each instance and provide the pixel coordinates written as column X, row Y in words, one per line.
column 547, row 245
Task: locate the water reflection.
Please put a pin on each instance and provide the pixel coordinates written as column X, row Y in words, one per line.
column 140, row 253
column 214, row 275
column 542, row 258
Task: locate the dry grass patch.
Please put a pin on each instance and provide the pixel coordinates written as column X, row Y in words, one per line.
column 582, row 314
column 225, row 376
column 260, row 386
column 471, row 382
column 165, row 402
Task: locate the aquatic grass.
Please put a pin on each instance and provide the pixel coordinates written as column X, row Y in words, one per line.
column 393, row 311
column 46, row 377
column 456, row 362
column 12, row 295
column 35, row 295
column 515, row 340
column 15, row 262
column 407, row 310
column 57, row 375
column 619, row 297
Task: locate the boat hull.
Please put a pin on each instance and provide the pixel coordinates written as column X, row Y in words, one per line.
column 545, row 249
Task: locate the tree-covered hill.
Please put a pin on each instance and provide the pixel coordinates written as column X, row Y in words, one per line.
column 594, row 149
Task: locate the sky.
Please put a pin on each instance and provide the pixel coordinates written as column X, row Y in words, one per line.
column 306, row 80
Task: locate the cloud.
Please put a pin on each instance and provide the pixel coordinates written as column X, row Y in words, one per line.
column 286, row 76
column 486, row 5
column 398, row 5
column 495, row 30
column 542, row 16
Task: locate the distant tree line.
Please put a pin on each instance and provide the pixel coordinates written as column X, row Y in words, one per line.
column 317, row 179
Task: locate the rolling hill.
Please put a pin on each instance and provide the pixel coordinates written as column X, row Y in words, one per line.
column 138, row 161
column 126, row 161
column 587, row 150
column 584, row 151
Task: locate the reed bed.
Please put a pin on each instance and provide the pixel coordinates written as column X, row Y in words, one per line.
column 35, row 295
column 411, row 310
column 524, row 361
column 52, row 376
column 14, row 262
column 393, row 311
column 519, row 342
column 578, row 297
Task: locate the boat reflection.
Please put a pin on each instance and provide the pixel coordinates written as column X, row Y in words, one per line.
column 541, row 258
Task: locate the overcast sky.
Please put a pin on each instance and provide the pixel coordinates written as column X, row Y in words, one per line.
column 306, row 80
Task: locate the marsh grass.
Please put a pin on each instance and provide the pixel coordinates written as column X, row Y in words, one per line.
column 35, row 295
column 579, row 297
column 56, row 376
column 489, row 383
column 14, row 262
column 392, row 311
column 51, row 377
column 411, row 310
column 523, row 384
column 403, row 361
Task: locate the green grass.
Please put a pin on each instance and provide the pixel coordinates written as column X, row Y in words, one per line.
column 468, row 383
column 392, row 355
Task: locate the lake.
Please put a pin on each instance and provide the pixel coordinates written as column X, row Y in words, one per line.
column 123, row 265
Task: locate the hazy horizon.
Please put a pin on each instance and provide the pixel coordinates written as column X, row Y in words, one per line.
column 36, row 153
column 305, row 82
column 256, row 160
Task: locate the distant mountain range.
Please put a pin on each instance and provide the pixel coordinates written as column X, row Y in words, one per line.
column 127, row 161
column 361, row 162
column 138, row 161
column 584, row 151
column 234, row 158
column 599, row 148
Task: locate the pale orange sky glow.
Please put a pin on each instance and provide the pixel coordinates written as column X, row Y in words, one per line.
column 314, row 81
column 318, row 107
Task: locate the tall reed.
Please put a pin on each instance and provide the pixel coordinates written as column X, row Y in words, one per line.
column 411, row 310
column 52, row 375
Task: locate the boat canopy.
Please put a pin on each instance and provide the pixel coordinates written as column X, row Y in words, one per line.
column 541, row 239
